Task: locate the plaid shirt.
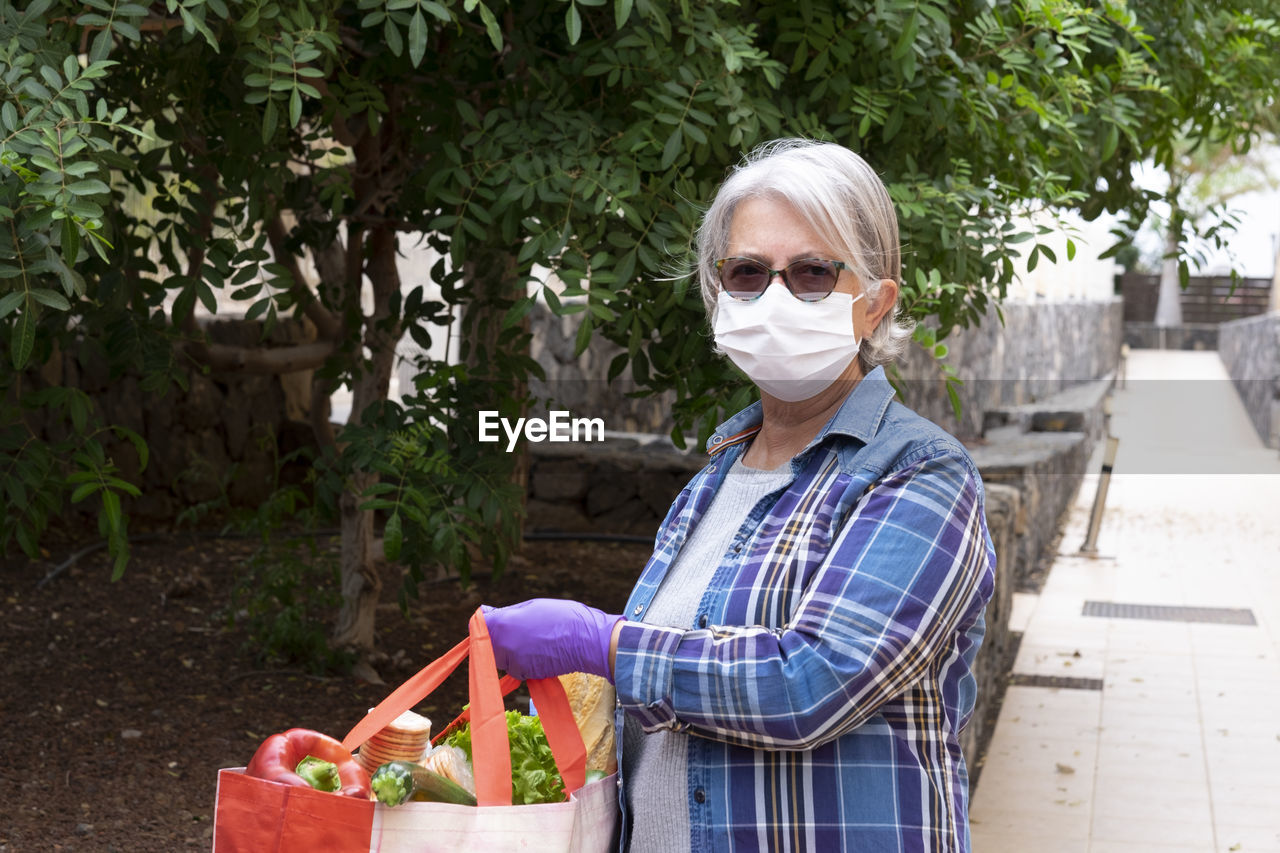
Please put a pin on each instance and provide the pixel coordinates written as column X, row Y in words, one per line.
column 829, row 671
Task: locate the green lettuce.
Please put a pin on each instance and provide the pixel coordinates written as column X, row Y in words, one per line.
column 534, row 777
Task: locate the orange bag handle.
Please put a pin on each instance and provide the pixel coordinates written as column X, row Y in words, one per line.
column 490, row 747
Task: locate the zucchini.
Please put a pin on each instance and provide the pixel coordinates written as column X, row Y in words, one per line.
column 397, row 781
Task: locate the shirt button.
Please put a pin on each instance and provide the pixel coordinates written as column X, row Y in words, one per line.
column 711, row 470
column 702, row 621
column 717, row 439
column 636, row 612
column 699, row 796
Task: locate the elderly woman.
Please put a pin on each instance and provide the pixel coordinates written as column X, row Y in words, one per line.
column 794, row 667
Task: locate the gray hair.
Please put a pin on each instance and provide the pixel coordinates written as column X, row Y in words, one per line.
column 841, row 198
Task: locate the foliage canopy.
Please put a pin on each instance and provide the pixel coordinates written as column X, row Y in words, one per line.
column 153, row 156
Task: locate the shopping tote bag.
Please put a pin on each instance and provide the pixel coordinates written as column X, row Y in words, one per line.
column 257, row 816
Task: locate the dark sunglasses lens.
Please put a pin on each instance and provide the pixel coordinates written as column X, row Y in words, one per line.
column 812, row 280
column 743, row 279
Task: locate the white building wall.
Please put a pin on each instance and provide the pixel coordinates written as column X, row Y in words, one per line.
column 1085, row 277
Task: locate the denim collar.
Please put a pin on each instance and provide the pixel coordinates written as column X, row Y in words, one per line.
column 859, row 416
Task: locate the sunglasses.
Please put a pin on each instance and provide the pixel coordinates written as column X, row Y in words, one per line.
column 809, row 279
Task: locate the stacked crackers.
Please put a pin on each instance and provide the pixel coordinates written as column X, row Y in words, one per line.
column 404, row 739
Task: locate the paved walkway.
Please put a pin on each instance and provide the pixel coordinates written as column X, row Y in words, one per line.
column 1168, row 735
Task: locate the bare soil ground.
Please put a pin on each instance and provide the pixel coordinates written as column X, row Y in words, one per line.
column 120, row 701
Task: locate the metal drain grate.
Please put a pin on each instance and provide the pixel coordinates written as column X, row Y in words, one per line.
column 1019, row 679
column 1170, row 613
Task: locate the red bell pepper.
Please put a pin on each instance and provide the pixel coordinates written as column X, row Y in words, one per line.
column 278, row 757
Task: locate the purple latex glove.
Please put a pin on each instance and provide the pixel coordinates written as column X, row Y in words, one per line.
column 545, row 637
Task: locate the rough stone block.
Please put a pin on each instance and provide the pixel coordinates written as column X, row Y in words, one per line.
column 1003, row 510
column 659, row 489
column 204, row 405
column 631, row 517
column 255, row 476
column 553, row 515
column 559, row 481
column 610, row 489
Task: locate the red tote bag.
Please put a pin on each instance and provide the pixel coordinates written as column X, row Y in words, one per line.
column 269, row 817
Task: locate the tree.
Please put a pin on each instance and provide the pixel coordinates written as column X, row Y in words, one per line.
column 1204, row 178
column 1202, row 184
column 1217, row 63
column 567, row 135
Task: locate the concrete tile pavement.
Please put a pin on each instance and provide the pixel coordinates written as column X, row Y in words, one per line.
column 1180, row 748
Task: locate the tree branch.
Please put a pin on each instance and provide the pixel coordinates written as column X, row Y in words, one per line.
column 290, row 359
column 322, row 411
column 327, row 326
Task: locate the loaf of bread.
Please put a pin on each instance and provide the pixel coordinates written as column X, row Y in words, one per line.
column 592, row 700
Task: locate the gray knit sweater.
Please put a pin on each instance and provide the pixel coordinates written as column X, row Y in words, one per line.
column 655, row 765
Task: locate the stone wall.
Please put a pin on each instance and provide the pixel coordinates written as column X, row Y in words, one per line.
column 619, row 486
column 1250, row 350
column 578, row 383
column 995, row 658
column 222, row 436
column 1041, row 349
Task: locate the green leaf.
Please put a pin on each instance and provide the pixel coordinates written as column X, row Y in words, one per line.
column 584, row 336
column 51, row 298
column 92, row 186
column 127, row 30
column 437, row 10
column 111, row 509
column 491, row 27
column 192, row 25
column 621, row 12
column 100, row 48
column 183, row 304
column 391, row 35
column 78, row 407
column 906, row 39
column 417, row 38
column 121, row 551
column 10, row 301
column 573, row 23
column 24, row 339
column 392, row 537
column 84, row 490
column 205, row 293
column 671, row 150
column 70, row 243
column 1110, row 143
column 270, row 118
column 295, row 108
column 954, row 396
column 80, row 168
column 517, row 312
column 35, row 9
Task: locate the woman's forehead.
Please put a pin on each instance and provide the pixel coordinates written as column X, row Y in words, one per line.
column 773, row 228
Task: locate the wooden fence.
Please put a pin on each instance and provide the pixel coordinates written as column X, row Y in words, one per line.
column 1207, row 299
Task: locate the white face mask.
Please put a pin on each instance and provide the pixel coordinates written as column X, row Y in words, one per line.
column 791, row 349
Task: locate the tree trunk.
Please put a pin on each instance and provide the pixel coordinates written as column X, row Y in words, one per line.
column 490, row 273
column 1169, row 300
column 361, row 578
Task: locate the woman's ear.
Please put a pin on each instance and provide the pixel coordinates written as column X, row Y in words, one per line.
column 885, row 299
